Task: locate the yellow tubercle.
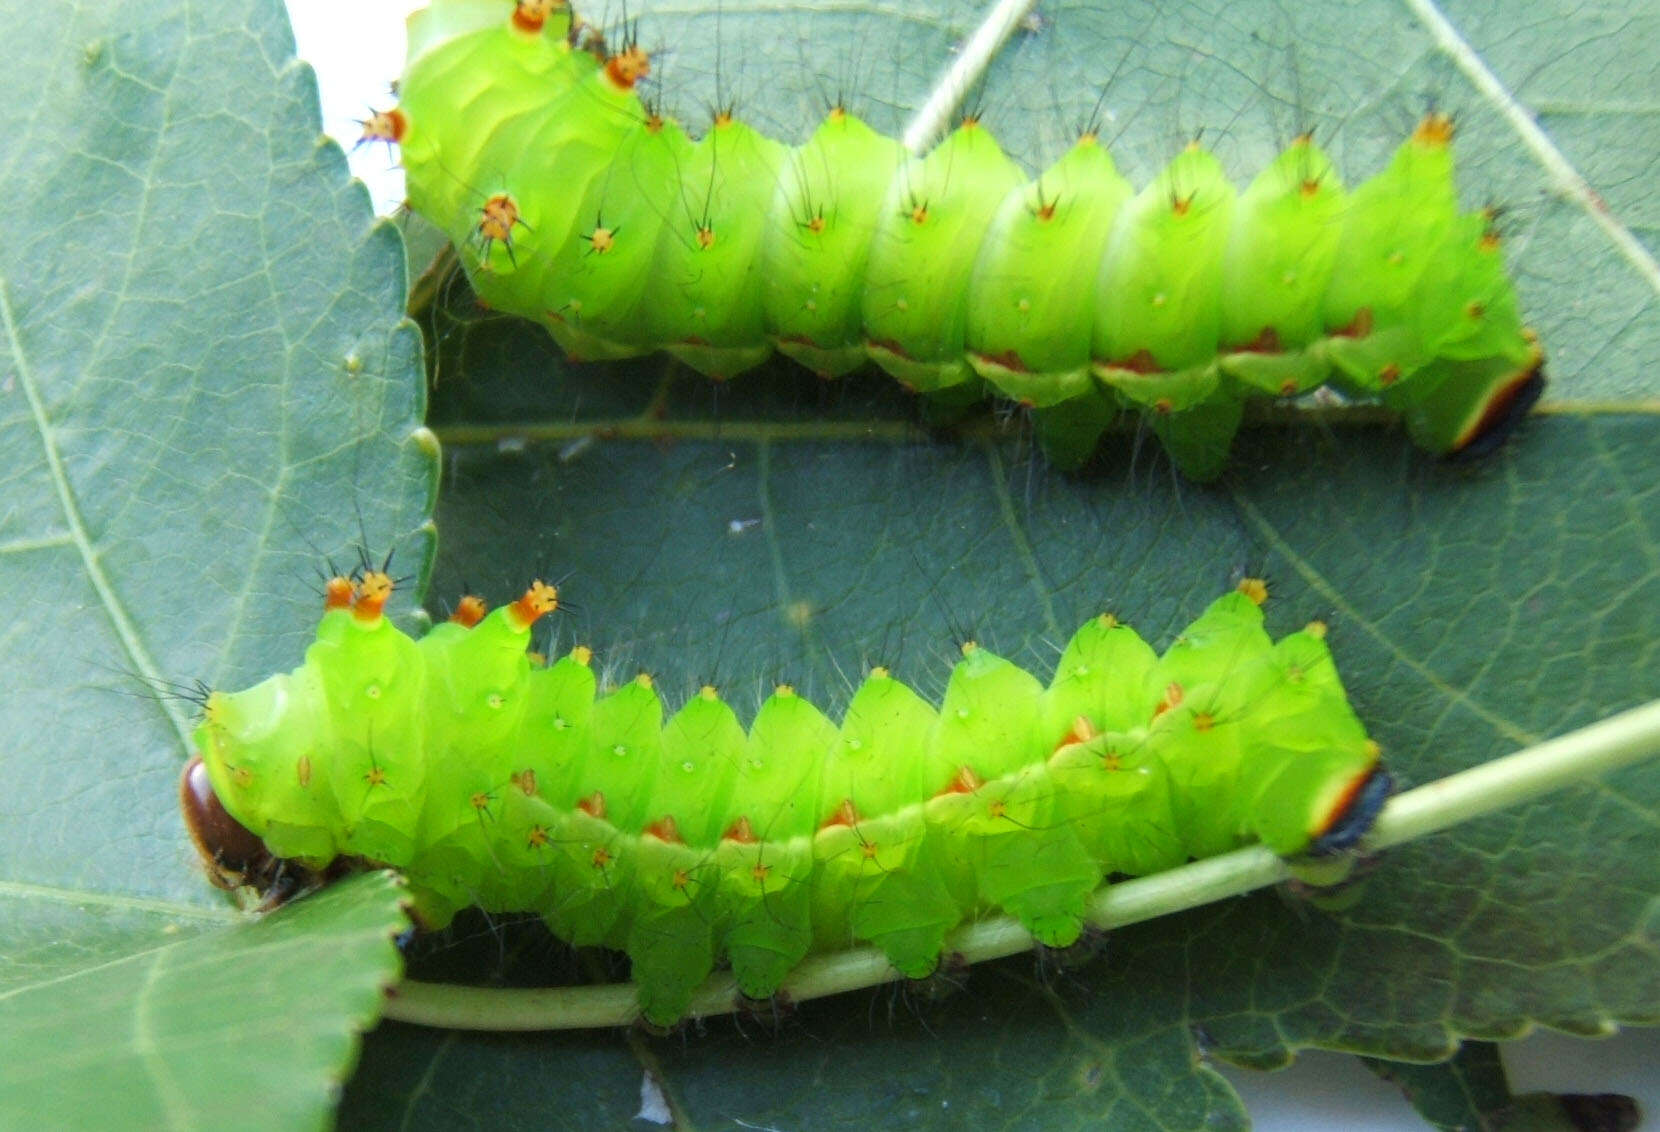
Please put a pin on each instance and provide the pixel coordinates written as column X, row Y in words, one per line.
column 1434, row 130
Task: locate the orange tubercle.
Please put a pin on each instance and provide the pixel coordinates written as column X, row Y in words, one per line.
column 627, row 67
column 1434, row 129
column 469, row 611
column 497, row 218
column 540, row 598
column 372, row 594
column 530, row 15
column 384, row 125
column 1254, row 589
column 338, row 593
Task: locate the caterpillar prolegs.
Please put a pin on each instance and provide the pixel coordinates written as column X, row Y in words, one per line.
column 491, row 778
column 1071, row 293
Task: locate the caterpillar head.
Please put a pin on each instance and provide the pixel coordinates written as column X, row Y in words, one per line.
column 233, row 856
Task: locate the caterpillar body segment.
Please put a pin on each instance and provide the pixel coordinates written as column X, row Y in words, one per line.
column 704, row 298
column 688, row 840
column 929, row 229
column 822, row 219
column 1032, row 290
column 577, row 205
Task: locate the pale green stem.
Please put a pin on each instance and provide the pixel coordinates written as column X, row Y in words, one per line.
column 1616, row 742
column 1000, row 20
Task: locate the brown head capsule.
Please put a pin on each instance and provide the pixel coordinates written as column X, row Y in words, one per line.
column 231, row 854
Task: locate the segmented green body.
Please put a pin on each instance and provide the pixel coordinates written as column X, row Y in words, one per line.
column 493, row 780
column 1072, row 293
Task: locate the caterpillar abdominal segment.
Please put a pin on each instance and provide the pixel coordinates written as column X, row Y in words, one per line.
column 691, row 841
column 575, row 205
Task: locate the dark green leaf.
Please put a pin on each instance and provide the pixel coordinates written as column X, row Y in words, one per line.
column 206, row 388
column 134, row 1016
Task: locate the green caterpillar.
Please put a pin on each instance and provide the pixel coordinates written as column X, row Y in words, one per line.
column 489, row 778
column 574, row 204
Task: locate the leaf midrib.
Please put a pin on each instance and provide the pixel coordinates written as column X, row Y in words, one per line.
column 125, row 631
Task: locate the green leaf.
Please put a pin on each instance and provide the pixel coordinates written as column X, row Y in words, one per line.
column 206, row 387
column 186, row 275
column 1470, row 1092
column 149, row 1019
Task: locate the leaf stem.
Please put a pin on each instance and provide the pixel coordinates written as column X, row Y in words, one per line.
column 1619, row 741
column 976, row 55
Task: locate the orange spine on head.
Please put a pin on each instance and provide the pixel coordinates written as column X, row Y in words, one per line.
column 338, row 593
column 627, row 67
column 497, row 218
column 530, row 15
column 469, row 611
column 372, row 594
column 384, row 125
column 1434, row 130
column 540, row 598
